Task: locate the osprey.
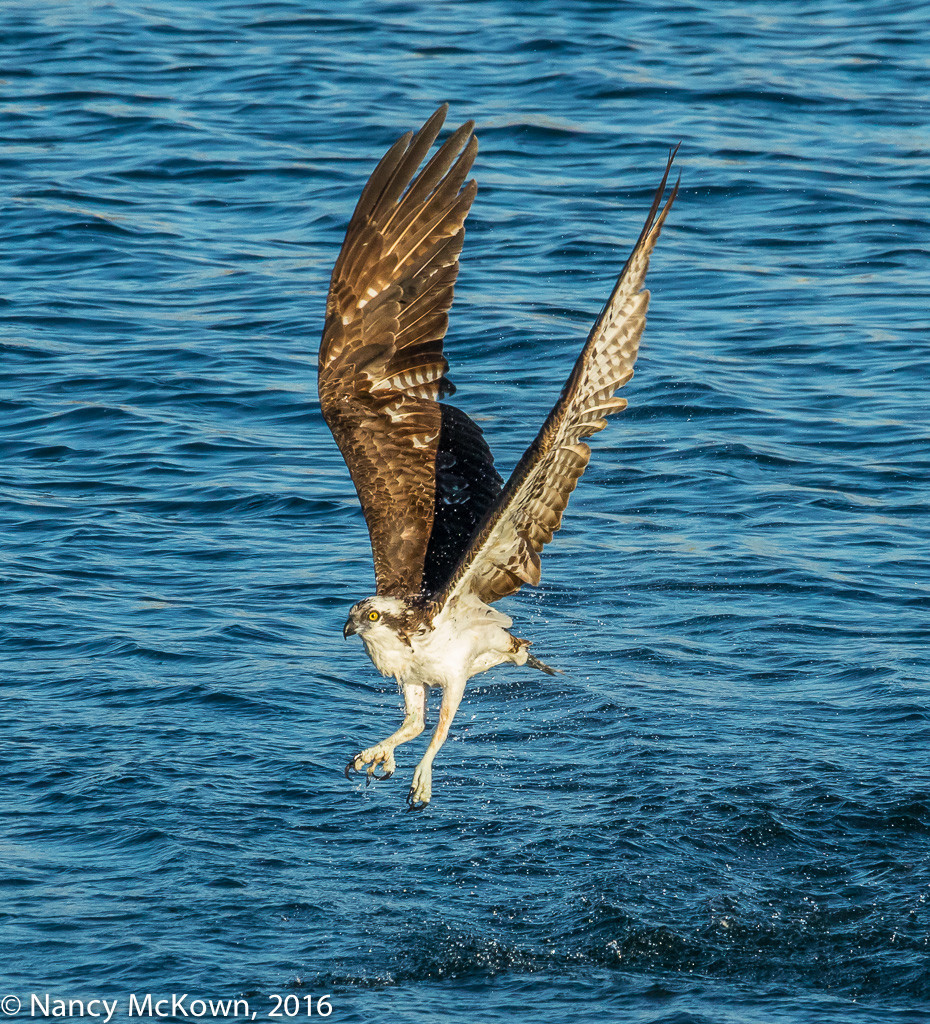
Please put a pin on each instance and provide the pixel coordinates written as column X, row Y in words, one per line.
column 448, row 537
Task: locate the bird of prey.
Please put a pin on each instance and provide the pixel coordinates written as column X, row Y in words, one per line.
column 448, row 537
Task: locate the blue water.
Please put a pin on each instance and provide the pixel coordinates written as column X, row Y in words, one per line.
column 721, row 811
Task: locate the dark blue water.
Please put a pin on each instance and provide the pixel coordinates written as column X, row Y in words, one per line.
column 721, row 812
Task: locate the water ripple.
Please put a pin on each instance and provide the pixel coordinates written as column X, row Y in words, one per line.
column 720, row 811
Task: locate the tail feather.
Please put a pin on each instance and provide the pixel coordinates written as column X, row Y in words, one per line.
column 520, row 647
column 534, row 662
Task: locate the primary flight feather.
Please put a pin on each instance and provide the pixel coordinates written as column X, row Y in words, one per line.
column 447, row 537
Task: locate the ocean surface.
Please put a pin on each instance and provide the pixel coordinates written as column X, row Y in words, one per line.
column 720, row 812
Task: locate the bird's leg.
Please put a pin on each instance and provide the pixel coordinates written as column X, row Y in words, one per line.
column 421, row 788
column 382, row 754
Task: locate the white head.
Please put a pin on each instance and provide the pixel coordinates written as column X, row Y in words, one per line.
column 381, row 622
column 374, row 615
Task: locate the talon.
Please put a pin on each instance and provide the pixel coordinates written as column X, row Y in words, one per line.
column 421, row 788
column 416, row 803
column 375, row 758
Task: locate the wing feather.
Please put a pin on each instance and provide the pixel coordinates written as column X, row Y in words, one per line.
column 381, row 367
column 504, row 553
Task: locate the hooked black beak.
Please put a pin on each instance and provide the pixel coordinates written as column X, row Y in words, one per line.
column 349, row 629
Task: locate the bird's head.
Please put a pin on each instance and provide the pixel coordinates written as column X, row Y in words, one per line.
column 376, row 616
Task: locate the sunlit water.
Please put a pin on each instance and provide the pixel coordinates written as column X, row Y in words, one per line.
column 721, row 811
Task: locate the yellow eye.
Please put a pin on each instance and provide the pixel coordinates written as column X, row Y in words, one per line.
column 373, row 616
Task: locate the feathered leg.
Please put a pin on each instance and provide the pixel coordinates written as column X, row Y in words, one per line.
column 421, row 788
column 382, row 754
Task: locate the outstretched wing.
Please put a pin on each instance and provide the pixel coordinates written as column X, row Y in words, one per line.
column 505, row 553
column 381, row 368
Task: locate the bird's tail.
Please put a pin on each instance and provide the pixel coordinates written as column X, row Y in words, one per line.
column 534, row 662
column 519, row 646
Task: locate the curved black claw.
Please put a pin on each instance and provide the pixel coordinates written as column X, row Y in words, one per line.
column 416, row 805
column 372, row 774
column 350, row 769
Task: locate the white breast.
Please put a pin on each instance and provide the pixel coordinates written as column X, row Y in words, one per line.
column 467, row 637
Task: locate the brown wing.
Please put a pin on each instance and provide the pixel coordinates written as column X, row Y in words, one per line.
column 505, row 553
column 467, row 485
column 381, row 366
